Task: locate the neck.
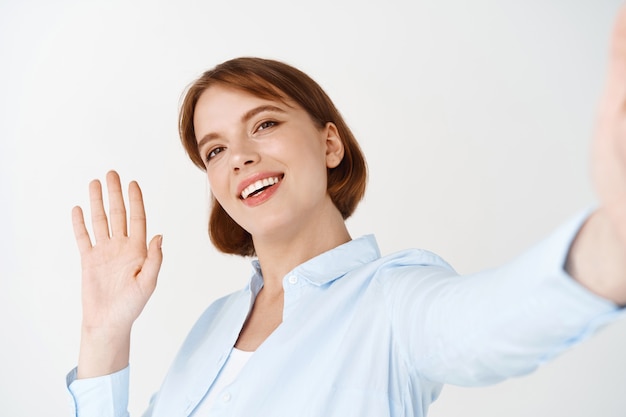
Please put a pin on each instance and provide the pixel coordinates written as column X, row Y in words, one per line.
column 277, row 256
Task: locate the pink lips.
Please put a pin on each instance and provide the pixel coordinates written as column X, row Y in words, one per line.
column 256, row 199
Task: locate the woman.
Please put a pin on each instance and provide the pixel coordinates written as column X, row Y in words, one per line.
column 327, row 326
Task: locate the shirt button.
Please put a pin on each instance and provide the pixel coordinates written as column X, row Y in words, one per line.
column 293, row 279
column 226, row 397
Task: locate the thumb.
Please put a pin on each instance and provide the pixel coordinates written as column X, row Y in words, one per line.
column 152, row 264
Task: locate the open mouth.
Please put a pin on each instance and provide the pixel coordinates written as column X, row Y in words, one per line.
column 259, row 186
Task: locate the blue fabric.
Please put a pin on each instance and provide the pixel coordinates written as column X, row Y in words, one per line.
column 365, row 335
column 100, row 397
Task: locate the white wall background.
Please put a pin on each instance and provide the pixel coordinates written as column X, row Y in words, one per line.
column 475, row 117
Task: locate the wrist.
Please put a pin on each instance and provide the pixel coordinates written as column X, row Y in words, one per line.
column 597, row 259
column 103, row 351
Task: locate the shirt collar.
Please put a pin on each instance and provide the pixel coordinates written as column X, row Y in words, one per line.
column 330, row 265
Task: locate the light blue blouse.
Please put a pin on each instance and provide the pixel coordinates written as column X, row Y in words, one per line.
column 365, row 335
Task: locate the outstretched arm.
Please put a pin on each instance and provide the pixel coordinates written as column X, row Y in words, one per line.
column 119, row 274
column 598, row 255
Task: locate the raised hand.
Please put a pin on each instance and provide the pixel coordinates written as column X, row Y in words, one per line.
column 119, row 274
column 598, row 256
column 609, row 147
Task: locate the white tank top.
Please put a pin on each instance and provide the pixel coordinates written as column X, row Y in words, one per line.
column 234, row 364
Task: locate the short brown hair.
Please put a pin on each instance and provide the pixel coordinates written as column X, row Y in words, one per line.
column 273, row 80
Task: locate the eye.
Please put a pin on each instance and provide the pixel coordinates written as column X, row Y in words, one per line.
column 214, row 152
column 266, row 125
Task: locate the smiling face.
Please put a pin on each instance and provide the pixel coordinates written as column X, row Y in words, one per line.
column 266, row 161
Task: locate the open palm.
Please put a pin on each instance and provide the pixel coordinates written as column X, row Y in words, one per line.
column 119, row 272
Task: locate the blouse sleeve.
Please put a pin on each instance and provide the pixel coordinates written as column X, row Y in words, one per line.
column 104, row 396
column 481, row 328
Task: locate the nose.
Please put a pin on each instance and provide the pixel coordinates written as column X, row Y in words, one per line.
column 243, row 153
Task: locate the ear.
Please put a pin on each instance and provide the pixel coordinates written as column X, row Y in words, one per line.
column 334, row 146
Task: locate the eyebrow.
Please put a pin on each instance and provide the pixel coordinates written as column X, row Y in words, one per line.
column 244, row 119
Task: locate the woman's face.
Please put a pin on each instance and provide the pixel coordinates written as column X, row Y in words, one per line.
column 266, row 160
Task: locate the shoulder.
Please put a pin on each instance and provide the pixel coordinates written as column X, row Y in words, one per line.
column 409, row 272
column 415, row 257
column 410, row 261
column 399, row 271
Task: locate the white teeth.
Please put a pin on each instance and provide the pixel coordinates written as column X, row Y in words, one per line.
column 258, row 185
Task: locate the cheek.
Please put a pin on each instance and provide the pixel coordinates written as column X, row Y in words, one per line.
column 218, row 184
column 314, row 175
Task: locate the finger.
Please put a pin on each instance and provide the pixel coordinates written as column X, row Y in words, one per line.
column 152, row 264
column 137, row 212
column 618, row 47
column 616, row 85
column 117, row 210
column 609, row 145
column 618, row 76
column 99, row 220
column 80, row 231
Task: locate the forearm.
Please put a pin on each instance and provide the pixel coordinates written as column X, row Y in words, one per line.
column 597, row 259
column 103, row 351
